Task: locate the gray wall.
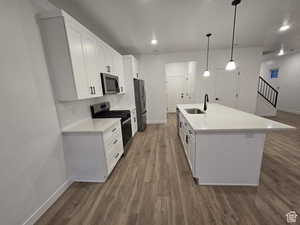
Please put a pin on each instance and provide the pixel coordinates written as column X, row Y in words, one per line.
column 32, row 163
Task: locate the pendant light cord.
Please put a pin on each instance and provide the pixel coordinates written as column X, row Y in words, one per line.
column 207, row 53
column 233, row 33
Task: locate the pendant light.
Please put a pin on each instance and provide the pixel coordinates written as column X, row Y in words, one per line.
column 231, row 64
column 206, row 72
column 281, row 51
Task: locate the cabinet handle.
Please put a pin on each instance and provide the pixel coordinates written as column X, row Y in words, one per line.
column 186, row 139
column 115, row 142
column 116, row 156
column 114, row 130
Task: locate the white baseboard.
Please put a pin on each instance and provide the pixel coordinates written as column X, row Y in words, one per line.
column 289, row 111
column 266, row 114
column 48, row 203
column 156, row 122
column 88, row 180
column 228, row 184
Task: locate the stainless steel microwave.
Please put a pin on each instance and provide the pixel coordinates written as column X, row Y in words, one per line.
column 110, row 84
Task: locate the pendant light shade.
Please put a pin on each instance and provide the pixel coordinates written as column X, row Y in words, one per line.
column 206, row 72
column 281, row 51
column 231, row 65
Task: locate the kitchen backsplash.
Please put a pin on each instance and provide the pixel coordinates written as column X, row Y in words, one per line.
column 71, row 112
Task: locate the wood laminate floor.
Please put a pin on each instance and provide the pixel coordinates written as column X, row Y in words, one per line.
column 153, row 185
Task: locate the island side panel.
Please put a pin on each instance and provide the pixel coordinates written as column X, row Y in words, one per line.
column 229, row 158
column 85, row 158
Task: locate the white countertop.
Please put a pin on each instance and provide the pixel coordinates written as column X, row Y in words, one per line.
column 91, row 125
column 222, row 118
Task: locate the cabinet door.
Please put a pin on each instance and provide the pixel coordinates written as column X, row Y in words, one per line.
column 135, row 68
column 181, row 128
column 119, row 67
column 133, row 121
column 90, row 54
column 193, row 152
column 77, row 57
column 109, row 60
column 92, row 60
column 191, row 149
column 101, row 57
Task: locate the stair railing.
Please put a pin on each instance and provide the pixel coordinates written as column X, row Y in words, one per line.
column 267, row 91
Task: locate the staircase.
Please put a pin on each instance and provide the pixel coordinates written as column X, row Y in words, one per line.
column 266, row 99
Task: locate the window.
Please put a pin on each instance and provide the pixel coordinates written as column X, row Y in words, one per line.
column 274, row 73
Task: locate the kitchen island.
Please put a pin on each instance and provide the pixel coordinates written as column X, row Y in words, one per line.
column 224, row 146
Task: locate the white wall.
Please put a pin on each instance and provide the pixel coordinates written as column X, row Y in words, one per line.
column 152, row 69
column 32, row 163
column 177, row 69
column 288, row 81
column 264, row 108
column 73, row 111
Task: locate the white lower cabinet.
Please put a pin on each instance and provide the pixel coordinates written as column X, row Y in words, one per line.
column 91, row 157
column 133, row 121
column 188, row 139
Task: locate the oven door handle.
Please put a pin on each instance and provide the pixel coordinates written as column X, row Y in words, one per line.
column 126, row 121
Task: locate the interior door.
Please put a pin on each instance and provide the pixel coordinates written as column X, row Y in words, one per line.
column 226, row 88
column 176, row 91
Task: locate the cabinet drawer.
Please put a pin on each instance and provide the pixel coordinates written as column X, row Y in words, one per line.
column 113, row 141
column 112, row 131
column 113, row 155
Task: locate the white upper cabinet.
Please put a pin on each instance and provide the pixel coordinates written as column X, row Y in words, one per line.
column 92, row 55
column 109, row 60
column 135, row 66
column 119, row 69
column 76, row 58
column 131, row 66
column 76, row 47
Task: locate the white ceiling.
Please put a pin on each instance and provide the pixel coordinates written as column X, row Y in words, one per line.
column 181, row 25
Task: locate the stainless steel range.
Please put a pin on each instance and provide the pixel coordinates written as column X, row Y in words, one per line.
column 102, row 110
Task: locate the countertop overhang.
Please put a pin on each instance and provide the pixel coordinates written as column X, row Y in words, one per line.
column 219, row 118
column 91, row 125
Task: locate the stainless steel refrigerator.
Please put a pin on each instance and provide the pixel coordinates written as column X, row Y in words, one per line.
column 140, row 102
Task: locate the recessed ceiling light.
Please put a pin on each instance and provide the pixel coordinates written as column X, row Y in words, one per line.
column 284, row 27
column 154, row 41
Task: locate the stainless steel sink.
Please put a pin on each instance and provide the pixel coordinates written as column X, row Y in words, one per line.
column 194, row 111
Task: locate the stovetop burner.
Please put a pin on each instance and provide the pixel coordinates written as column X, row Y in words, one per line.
column 102, row 110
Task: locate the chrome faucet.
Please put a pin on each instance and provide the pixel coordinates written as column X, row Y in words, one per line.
column 205, row 101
